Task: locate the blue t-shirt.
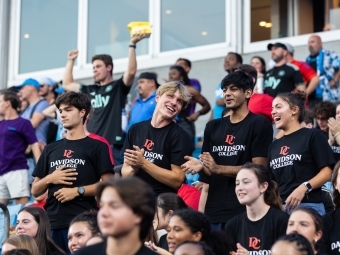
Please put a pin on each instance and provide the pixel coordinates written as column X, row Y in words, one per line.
column 15, row 136
column 217, row 108
column 41, row 129
column 142, row 109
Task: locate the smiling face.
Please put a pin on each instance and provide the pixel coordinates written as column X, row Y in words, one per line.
column 115, row 218
column 302, row 223
column 235, row 97
column 169, row 104
column 175, row 75
column 26, row 224
column 247, row 187
column 78, row 235
column 282, row 113
column 178, row 232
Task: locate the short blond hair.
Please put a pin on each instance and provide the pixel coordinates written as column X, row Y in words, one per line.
column 172, row 87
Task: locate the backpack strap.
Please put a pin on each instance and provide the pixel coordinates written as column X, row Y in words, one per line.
column 35, row 106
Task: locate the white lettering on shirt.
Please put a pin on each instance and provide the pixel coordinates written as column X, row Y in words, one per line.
column 100, row 101
column 284, row 161
column 272, row 82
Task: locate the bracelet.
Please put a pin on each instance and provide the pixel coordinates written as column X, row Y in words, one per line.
column 337, row 134
column 132, row 46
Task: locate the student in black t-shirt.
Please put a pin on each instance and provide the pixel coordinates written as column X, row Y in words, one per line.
column 292, row 244
column 330, row 241
column 264, row 222
column 307, row 222
column 127, row 209
column 301, row 160
column 229, row 143
column 71, row 168
column 154, row 149
column 108, row 96
column 284, row 77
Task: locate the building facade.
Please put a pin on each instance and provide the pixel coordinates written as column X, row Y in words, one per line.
column 37, row 34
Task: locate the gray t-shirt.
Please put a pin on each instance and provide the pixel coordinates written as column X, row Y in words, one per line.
column 41, row 130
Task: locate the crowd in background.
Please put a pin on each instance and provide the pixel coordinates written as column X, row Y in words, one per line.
column 266, row 179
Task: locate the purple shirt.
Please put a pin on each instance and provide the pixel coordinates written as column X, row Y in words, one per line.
column 15, row 136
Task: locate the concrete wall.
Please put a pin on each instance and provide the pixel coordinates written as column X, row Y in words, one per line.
column 211, row 72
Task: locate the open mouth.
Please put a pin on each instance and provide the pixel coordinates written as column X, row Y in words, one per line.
column 277, row 119
column 170, row 108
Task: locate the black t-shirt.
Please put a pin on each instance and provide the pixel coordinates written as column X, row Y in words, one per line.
column 90, row 158
column 330, row 241
column 281, row 79
column 260, row 235
column 232, row 144
column 108, row 102
column 163, row 242
column 163, row 147
column 100, row 249
column 297, row 158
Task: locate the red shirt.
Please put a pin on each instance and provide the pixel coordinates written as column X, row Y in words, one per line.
column 190, row 195
column 102, row 139
column 261, row 104
column 306, row 71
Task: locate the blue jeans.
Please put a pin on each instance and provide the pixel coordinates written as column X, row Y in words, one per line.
column 217, row 226
column 59, row 236
column 319, row 207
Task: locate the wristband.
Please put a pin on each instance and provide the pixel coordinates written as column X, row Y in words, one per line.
column 337, row 134
column 132, row 46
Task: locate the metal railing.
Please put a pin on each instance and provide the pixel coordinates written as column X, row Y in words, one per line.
column 6, row 220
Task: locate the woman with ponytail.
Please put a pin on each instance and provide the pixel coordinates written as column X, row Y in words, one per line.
column 263, row 222
column 301, row 160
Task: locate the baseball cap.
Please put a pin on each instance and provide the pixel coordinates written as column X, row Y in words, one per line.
column 149, row 76
column 289, row 47
column 31, row 82
column 47, row 81
column 60, row 90
column 278, row 45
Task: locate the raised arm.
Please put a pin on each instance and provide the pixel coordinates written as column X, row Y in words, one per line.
column 68, row 82
column 130, row 73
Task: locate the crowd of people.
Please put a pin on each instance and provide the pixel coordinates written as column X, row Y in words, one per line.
column 110, row 176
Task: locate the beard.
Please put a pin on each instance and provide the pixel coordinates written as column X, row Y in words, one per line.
column 278, row 58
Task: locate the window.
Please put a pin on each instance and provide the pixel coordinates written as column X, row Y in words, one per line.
column 48, row 30
column 318, row 15
column 269, row 19
column 192, row 23
column 107, row 27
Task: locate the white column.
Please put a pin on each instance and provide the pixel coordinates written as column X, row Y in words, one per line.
column 4, row 41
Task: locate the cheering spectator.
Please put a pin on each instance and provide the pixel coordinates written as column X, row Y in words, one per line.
column 155, row 149
column 228, row 144
column 109, row 98
column 301, row 161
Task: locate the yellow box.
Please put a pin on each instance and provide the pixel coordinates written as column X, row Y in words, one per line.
column 137, row 26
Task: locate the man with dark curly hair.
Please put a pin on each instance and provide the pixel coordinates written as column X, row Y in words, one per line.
column 322, row 112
